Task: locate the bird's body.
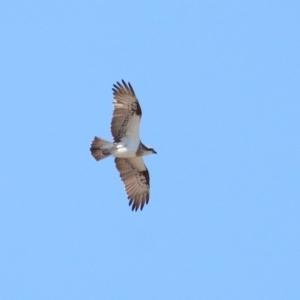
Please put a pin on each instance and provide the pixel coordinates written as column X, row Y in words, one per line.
column 127, row 147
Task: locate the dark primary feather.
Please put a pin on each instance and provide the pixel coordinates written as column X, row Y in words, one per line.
column 126, row 106
column 136, row 179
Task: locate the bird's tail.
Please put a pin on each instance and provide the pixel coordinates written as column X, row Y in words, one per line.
column 100, row 148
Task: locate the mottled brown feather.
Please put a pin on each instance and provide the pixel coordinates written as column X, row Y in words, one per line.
column 96, row 148
column 126, row 105
column 135, row 177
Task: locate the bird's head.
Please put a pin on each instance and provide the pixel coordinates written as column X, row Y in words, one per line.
column 149, row 151
column 152, row 150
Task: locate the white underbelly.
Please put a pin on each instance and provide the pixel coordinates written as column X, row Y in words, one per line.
column 124, row 152
column 124, row 149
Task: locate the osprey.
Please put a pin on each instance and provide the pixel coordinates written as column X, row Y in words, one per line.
column 127, row 147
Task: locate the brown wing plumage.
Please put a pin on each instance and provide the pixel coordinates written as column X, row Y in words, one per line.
column 127, row 112
column 135, row 177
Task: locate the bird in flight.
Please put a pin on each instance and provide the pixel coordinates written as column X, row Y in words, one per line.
column 127, row 147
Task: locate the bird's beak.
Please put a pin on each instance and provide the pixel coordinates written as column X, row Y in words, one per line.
column 154, row 152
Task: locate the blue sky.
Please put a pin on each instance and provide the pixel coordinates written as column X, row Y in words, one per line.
column 218, row 83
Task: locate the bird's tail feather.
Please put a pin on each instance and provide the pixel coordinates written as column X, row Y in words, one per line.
column 100, row 148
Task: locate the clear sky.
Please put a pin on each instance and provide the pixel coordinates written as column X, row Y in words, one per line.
column 218, row 82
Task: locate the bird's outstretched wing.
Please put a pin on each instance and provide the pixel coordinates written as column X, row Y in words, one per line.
column 135, row 177
column 127, row 112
